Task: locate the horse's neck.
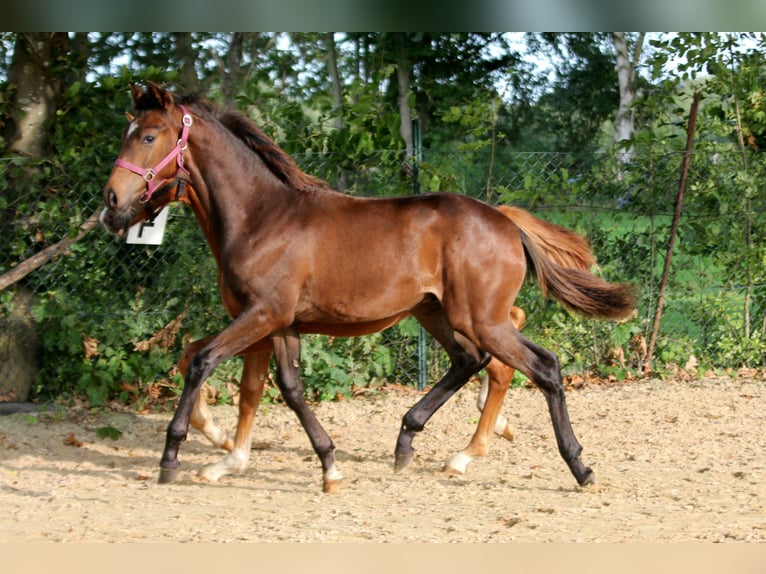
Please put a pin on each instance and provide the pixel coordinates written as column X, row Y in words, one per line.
column 225, row 197
column 193, row 200
column 222, row 181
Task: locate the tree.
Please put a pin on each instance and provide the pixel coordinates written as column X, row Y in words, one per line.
column 731, row 68
column 186, row 55
column 403, row 77
column 36, row 89
column 627, row 63
column 570, row 114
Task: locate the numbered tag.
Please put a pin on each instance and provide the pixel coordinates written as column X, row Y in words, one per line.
column 149, row 233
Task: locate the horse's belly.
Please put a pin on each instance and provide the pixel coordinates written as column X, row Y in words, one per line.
column 354, row 299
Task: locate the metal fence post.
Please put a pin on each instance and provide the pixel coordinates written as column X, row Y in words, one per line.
column 417, row 142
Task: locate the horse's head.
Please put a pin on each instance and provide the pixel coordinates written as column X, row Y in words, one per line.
column 149, row 171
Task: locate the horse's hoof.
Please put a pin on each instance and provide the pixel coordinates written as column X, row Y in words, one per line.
column 458, row 464
column 212, row 472
column 168, row 475
column 587, row 478
column 331, row 486
column 402, row 459
column 507, row 433
column 331, row 480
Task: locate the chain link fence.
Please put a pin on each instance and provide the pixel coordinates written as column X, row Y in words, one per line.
column 97, row 313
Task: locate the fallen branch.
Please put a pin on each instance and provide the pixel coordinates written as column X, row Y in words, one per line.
column 42, row 257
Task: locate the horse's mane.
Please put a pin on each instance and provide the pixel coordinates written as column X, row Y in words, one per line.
column 276, row 159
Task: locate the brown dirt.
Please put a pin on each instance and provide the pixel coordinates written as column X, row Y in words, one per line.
column 673, row 461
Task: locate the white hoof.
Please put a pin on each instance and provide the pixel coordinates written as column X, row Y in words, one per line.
column 214, row 472
column 229, row 465
column 458, row 463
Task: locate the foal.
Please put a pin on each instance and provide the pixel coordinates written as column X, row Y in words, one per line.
column 294, row 254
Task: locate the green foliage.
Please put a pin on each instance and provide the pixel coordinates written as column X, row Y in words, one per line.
column 335, row 367
column 104, row 294
column 97, row 303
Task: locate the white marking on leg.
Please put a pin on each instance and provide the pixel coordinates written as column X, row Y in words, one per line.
column 500, row 424
column 214, row 434
column 331, row 480
column 332, row 474
column 481, row 399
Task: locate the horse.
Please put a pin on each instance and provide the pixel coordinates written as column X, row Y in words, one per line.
column 568, row 249
column 294, row 254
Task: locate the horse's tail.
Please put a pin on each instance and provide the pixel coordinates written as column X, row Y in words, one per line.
column 564, row 247
column 561, row 259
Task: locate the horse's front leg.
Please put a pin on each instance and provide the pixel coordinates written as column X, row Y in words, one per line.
column 287, row 352
column 249, row 328
column 255, row 372
column 201, row 418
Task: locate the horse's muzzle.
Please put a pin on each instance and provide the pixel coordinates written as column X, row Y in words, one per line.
column 114, row 223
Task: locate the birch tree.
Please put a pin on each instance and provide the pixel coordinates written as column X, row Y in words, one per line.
column 627, row 55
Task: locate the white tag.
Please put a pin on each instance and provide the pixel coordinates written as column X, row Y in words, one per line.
column 149, row 233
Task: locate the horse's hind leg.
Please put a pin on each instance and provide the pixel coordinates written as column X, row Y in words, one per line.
column 502, row 427
column 542, row 368
column 466, row 360
column 493, row 390
column 255, row 371
column 287, row 351
column 498, row 379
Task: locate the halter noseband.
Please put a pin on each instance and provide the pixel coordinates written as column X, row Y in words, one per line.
column 149, row 175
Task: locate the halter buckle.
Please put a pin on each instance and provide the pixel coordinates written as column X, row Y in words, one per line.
column 149, row 175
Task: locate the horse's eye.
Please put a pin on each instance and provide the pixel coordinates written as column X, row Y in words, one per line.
column 148, row 139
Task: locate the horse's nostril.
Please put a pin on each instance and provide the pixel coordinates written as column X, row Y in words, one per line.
column 112, row 198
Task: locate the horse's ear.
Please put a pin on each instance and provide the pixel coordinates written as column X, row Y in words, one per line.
column 130, row 117
column 136, row 92
column 163, row 97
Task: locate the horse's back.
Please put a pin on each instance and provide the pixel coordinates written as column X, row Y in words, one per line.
column 389, row 253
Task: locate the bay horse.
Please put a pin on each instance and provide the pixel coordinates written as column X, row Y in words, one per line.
column 294, row 255
column 567, row 248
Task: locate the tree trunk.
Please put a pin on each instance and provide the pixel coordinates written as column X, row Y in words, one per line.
column 337, row 97
column 188, row 57
column 403, row 74
column 335, row 83
column 37, row 91
column 231, row 68
column 624, row 124
column 691, row 126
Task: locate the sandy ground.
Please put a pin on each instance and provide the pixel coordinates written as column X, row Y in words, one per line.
column 673, row 462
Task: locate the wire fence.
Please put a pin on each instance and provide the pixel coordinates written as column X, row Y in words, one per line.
column 102, row 314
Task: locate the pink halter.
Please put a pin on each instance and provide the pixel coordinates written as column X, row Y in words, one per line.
column 150, row 174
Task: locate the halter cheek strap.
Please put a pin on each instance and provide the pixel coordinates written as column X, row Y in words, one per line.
column 150, row 174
